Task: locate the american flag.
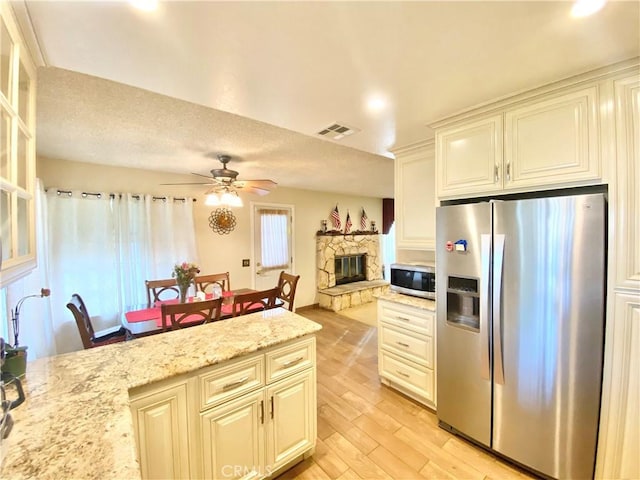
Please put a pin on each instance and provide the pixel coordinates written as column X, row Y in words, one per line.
column 363, row 220
column 347, row 224
column 335, row 218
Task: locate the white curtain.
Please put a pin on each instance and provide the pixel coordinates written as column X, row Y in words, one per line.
column 274, row 238
column 155, row 234
column 104, row 248
column 83, row 259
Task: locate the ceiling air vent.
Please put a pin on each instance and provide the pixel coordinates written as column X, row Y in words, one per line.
column 337, row 131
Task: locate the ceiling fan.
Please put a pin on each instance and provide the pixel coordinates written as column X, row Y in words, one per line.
column 223, row 180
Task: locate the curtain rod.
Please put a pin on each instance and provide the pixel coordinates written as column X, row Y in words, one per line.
column 113, row 195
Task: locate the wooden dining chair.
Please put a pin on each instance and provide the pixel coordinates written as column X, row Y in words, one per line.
column 89, row 337
column 254, row 301
column 179, row 315
column 204, row 282
column 287, row 288
column 166, row 289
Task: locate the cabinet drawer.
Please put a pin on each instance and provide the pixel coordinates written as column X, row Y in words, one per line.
column 289, row 359
column 414, row 319
column 418, row 348
column 408, row 375
column 224, row 382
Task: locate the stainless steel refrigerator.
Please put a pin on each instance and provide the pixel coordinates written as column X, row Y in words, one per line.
column 520, row 328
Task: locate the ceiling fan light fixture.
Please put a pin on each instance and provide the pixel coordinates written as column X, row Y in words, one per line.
column 212, row 200
column 229, row 199
column 584, row 8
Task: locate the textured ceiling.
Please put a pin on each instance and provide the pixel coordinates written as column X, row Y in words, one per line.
column 257, row 80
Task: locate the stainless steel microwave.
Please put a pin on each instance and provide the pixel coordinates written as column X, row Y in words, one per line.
column 416, row 280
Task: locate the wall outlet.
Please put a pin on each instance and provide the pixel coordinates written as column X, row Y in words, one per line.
column 245, row 262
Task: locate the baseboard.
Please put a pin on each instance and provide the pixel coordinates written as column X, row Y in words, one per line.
column 313, row 306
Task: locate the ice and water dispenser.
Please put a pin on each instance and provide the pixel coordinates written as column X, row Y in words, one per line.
column 463, row 302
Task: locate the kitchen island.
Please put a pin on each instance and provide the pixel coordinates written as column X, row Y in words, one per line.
column 76, row 421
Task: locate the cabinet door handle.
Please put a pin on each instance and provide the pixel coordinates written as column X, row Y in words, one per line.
column 235, row 384
column 403, row 344
column 508, row 171
column 261, row 411
column 402, row 373
column 496, row 173
column 292, row 362
column 271, row 406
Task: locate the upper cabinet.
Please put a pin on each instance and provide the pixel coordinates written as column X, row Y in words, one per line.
column 552, row 141
column 627, row 107
column 415, row 201
column 17, row 152
column 470, row 157
column 548, row 138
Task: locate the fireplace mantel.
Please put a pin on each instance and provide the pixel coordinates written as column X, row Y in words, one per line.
column 334, row 233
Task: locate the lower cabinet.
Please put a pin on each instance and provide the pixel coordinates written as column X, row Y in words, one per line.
column 619, row 437
column 242, row 419
column 161, row 426
column 256, row 434
column 406, row 350
column 232, row 438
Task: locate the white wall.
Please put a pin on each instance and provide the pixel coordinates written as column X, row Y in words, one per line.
column 221, row 253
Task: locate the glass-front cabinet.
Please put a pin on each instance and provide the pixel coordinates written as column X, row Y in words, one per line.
column 17, row 152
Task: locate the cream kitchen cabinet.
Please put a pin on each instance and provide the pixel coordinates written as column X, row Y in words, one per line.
column 469, row 157
column 160, row 419
column 291, row 423
column 619, row 437
column 406, row 350
column 414, row 191
column 244, row 418
column 627, row 203
column 232, row 438
column 17, row 151
column 258, row 433
column 546, row 141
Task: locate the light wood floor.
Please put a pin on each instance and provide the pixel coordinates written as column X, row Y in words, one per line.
column 367, row 430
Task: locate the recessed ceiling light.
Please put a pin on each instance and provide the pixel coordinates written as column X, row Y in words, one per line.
column 584, row 8
column 376, row 103
column 146, row 5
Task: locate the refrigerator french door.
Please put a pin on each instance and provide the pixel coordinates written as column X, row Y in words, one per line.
column 520, row 319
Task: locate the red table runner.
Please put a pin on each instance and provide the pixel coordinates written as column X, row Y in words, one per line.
column 154, row 313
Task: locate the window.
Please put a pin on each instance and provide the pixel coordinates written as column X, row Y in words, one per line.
column 274, row 238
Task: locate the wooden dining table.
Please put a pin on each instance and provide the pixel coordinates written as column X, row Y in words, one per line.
column 143, row 319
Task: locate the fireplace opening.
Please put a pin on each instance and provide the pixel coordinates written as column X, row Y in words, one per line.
column 350, row 268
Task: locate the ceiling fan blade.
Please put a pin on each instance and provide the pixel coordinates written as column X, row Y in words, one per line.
column 256, row 190
column 189, row 183
column 262, row 184
column 200, row 175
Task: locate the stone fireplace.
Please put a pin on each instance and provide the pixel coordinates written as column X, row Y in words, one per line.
column 349, row 269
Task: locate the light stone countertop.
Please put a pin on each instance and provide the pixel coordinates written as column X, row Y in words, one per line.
column 403, row 299
column 76, row 422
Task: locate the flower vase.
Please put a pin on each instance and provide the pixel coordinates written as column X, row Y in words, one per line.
column 184, row 288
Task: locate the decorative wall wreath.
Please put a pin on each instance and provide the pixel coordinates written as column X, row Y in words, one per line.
column 222, row 221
